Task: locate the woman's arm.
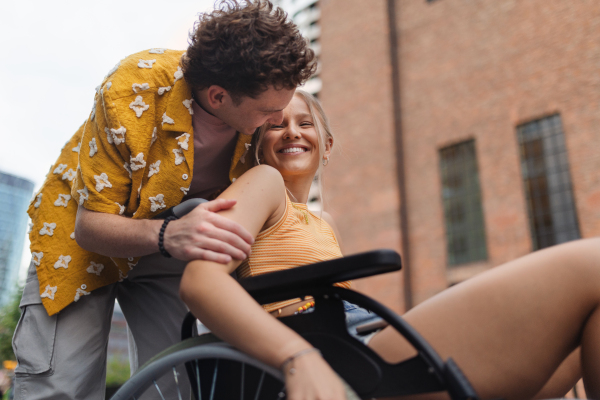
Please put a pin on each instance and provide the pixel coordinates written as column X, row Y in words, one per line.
column 232, row 314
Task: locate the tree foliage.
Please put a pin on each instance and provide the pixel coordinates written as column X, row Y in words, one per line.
column 9, row 316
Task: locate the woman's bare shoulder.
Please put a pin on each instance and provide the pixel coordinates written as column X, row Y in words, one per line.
column 260, row 196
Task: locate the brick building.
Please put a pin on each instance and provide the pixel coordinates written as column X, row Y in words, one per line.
column 486, row 123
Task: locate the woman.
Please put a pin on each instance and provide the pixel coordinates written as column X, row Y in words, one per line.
column 509, row 329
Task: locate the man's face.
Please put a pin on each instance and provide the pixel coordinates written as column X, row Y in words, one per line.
column 251, row 113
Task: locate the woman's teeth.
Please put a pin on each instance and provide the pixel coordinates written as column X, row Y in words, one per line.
column 294, row 150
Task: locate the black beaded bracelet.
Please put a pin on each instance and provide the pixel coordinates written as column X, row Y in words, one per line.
column 161, row 237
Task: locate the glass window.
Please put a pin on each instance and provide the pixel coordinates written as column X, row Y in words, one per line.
column 545, row 169
column 461, row 195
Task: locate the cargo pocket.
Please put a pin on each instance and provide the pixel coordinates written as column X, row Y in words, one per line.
column 33, row 341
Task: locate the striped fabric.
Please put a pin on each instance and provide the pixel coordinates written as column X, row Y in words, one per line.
column 290, row 243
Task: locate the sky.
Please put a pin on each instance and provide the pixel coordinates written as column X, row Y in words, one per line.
column 53, row 55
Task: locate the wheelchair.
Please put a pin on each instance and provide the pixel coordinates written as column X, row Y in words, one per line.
column 204, row 367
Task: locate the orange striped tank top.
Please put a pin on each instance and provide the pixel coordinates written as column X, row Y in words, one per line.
column 298, row 238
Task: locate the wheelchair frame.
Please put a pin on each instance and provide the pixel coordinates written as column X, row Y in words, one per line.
column 367, row 374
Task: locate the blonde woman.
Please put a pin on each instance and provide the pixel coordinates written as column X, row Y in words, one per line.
column 509, row 329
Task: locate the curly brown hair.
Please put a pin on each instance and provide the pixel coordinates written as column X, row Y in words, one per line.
column 247, row 47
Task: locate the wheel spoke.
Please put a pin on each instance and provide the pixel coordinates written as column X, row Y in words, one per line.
column 158, row 389
column 198, row 381
column 262, row 377
column 214, row 381
column 177, row 383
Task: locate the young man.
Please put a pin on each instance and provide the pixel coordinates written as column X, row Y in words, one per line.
column 166, row 126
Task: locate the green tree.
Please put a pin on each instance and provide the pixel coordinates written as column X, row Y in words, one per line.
column 9, row 316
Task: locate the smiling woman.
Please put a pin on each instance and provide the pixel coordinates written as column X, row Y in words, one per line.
column 515, row 331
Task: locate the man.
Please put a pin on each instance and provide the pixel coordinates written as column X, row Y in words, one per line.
column 166, row 126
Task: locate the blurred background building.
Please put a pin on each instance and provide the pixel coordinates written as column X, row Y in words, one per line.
column 306, row 15
column 467, row 132
column 15, row 194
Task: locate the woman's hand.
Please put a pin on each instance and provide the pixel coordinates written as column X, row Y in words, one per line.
column 309, row 377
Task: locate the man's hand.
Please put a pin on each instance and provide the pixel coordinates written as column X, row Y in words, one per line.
column 204, row 235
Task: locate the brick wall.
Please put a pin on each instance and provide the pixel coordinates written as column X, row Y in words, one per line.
column 468, row 70
column 360, row 185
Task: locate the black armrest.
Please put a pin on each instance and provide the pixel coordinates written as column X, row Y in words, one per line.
column 323, row 273
column 181, row 209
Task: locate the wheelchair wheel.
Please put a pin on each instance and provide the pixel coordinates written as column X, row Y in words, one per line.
column 199, row 370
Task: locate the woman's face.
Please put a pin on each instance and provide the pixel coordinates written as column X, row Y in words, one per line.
column 293, row 146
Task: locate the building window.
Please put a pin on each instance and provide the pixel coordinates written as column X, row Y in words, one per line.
column 545, row 168
column 461, row 195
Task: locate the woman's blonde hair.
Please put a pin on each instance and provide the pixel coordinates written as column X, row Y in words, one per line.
column 322, row 128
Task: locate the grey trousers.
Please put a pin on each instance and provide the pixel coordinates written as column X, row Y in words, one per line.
column 64, row 356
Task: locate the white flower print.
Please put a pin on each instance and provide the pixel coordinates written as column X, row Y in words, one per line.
column 137, row 162
column 157, row 203
column 72, row 235
column 163, row 89
column 48, row 229
column 70, row 175
column 157, row 51
column 102, row 182
column 113, row 70
column 109, row 137
column 80, row 292
column 243, row 157
column 29, row 227
column 183, row 143
column 63, row 262
column 60, row 168
column 36, row 258
column 185, row 190
column 140, row 86
column 49, row 292
column 154, row 168
column 38, row 200
column 146, row 63
column 167, row 119
column 93, row 147
column 154, row 137
column 178, row 74
column 118, row 135
column 95, row 268
column 139, row 106
column 184, row 177
column 76, row 149
column 63, row 200
column 179, row 158
column 83, row 195
column 108, row 85
column 188, row 105
column 121, row 209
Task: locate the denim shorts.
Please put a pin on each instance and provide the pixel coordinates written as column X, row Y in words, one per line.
column 356, row 316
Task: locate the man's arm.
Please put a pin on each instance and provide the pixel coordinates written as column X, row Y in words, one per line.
column 200, row 235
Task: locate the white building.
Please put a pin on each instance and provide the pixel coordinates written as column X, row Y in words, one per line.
column 306, row 14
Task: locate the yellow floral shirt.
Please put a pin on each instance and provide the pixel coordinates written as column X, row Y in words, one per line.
column 134, row 157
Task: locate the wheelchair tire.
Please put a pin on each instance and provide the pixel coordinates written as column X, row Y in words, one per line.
column 219, row 371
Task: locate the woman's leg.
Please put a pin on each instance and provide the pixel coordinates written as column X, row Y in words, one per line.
column 510, row 328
